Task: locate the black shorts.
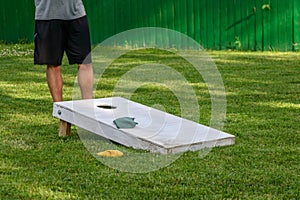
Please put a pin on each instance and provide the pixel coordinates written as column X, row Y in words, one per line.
column 54, row 37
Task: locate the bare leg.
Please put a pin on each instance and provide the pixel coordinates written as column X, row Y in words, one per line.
column 55, row 82
column 86, row 80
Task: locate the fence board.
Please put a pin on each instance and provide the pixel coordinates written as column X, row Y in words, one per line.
column 296, row 24
column 274, row 36
column 203, row 22
column 285, row 25
column 209, row 24
column 196, row 11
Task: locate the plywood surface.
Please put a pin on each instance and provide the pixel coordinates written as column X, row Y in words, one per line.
column 157, row 131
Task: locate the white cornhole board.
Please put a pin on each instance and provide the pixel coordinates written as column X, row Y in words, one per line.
column 156, row 131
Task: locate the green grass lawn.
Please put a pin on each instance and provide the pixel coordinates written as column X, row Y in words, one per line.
column 263, row 112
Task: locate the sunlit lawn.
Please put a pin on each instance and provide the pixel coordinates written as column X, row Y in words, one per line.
column 263, row 112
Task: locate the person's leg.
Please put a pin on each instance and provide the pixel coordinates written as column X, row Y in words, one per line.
column 86, row 80
column 79, row 52
column 49, row 49
column 55, row 82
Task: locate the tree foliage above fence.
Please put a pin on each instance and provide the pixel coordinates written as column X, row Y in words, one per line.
column 215, row 24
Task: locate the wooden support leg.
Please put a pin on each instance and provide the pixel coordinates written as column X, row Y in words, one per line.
column 64, row 128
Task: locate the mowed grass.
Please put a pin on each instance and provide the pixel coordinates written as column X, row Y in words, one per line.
column 263, row 112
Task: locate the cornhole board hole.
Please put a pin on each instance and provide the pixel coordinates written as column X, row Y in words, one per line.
column 156, row 131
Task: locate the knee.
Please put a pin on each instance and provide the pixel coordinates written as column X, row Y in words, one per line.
column 53, row 68
column 85, row 67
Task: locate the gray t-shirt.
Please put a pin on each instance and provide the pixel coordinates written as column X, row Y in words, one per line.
column 59, row 9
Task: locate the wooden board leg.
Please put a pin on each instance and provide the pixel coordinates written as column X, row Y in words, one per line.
column 64, row 128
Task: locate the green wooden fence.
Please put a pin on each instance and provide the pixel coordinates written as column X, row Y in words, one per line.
column 215, row 24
